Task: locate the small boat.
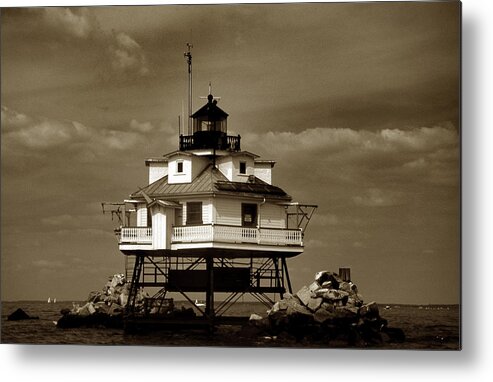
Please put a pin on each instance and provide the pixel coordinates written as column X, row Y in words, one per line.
column 199, row 303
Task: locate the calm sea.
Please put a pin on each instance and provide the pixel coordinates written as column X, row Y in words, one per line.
column 426, row 327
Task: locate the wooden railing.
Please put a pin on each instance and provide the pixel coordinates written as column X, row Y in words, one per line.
column 138, row 235
column 236, row 234
column 218, row 233
column 192, row 233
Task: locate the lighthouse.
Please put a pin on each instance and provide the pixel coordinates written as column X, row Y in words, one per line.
column 209, row 222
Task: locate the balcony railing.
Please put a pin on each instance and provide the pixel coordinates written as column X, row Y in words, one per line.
column 212, row 140
column 217, row 233
column 137, row 235
column 235, row 234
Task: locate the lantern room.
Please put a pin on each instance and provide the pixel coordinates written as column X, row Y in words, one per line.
column 209, row 130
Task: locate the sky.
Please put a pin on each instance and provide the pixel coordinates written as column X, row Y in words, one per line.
column 359, row 104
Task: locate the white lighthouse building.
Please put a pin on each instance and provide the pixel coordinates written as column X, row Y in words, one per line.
column 210, row 197
column 209, row 221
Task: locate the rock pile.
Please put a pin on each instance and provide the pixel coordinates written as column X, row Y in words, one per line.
column 328, row 309
column 104, row 307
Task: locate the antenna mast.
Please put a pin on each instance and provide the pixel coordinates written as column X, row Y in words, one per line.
column 188, row 56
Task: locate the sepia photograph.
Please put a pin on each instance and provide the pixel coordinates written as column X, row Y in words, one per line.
column 232, row 175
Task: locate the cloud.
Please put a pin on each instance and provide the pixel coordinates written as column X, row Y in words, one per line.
column 375, row 197
column 75, row 22
column 12, row 119
column 40, row 133
column 119, row 140
column 127, row 55
column 123, row 54
column 422, row 139
column 143, row 127
column 43, row 133
column 349, row 156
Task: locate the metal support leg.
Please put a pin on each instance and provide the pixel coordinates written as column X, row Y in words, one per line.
column 284, row 265
column 134, row 285
column 278, row 276
column 209, row 294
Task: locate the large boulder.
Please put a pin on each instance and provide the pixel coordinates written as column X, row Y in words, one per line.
column 337, row 296
column 369, row 310
column 314, row 303
column 325, row 276
column 304, row 294
column 87, row 310
column 323, row 315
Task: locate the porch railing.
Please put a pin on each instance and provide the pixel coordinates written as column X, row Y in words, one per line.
column 236, row 234
column 218, row 233
column 137, row 235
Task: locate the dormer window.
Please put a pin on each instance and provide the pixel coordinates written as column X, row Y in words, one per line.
column 179, row 167
column 243, row 168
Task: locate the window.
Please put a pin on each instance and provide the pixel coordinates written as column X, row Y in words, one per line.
column 248, row 215
column 242, row 167
column 194, row 213
column 179, row 167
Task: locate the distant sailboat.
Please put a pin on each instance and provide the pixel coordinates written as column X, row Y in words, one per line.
column 49, row 300
column 54, row 300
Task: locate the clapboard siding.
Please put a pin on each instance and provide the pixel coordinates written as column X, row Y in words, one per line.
column 272, row 216
column 141, row 215
column 157, row 171
column 207, row 211
column 228, row 211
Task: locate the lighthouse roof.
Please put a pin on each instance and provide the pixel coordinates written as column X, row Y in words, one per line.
column 211, row 181
column 211, row 111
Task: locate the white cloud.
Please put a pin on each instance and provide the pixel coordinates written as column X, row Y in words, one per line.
column 40, row 133
column 143, row 127
column 348, row 156
column 336, row 139
column 127, row 55
column 75, row 22
column 43, row 134
column 127, row 42
column 420, row 139
column 12, row 119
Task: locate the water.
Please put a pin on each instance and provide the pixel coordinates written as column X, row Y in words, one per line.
column 427, row 327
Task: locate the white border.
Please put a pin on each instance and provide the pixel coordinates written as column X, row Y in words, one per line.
column 90, row 363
